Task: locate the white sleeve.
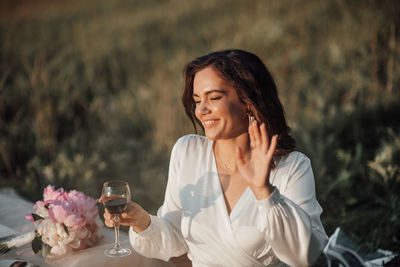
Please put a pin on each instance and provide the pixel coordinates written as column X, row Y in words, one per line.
column 163, row 238
column 292, row 221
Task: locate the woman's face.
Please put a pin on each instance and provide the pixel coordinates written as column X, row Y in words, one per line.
column 218, row 107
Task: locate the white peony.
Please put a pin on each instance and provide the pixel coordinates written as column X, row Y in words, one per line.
column 66, row 221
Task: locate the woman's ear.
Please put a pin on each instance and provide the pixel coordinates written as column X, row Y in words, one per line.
column 249, row 110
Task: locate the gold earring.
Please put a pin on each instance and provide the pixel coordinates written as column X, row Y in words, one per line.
column 252, row 119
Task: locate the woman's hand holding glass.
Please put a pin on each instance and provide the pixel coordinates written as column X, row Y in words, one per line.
column 120, row 210
column 256, row 170
column 134, row 216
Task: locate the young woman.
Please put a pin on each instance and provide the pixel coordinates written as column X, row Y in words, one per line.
column 241, row 195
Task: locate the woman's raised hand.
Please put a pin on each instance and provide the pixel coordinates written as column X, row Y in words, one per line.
column 134, row 216
column 257, row 168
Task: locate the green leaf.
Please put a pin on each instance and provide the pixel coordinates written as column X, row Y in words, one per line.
column 45, row 250
column 3, row 247
column 37, row 217
column 66, row 229
column 37, row 244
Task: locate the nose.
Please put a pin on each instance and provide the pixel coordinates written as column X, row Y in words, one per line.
column 203, row 108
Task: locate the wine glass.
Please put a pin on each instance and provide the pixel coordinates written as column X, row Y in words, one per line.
column 115, row 197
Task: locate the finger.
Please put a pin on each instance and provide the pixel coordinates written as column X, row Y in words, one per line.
column 130, row 213
column 124, row 215
column 106, row 212
column 264, row 138
column 109, row 222
column 251, row 135
column 272, row 147
column 107, row 215
column 257, row 135
column 100, row 200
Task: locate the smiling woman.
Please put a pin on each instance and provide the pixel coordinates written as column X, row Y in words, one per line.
column 255, row 88
column 218, row 107
column 241, row 195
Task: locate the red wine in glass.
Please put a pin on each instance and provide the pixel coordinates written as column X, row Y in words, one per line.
column 115, row 197
column 115, row 204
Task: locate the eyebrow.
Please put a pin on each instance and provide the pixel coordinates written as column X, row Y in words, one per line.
column 212, row 91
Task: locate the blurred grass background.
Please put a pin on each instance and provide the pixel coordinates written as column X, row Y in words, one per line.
column 90, row 91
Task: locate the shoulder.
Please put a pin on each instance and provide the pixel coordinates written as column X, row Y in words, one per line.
column 293, row 163
column 190, row 144
column 291, row 169
column 191, row 141
column 294, row 158
column 190, row 151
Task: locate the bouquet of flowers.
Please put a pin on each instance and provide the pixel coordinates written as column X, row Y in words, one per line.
column 65, row 221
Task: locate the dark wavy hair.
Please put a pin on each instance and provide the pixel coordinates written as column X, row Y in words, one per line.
column 254, row 85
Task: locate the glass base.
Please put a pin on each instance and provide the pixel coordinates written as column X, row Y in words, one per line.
column 117, row 252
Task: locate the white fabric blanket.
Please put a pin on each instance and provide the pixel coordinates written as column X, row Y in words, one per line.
column 12, row 211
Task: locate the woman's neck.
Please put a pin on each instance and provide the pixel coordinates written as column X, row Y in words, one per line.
column 225, row 149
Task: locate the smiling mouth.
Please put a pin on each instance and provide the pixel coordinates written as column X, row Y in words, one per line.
column 209, row 123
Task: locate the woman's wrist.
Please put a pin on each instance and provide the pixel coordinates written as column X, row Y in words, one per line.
column 263, row 192
column 142, row 224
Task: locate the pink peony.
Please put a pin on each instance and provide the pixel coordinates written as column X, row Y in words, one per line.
column 73, row 221
column 58, row 212
column 68, row 220
column 51, row 194
column 86, row 204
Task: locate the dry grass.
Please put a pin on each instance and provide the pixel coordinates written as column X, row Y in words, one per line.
column 90, row 90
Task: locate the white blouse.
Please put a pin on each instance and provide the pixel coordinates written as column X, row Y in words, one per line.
column 284, row 228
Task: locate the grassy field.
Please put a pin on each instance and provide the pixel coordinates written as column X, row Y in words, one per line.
column 90, row 90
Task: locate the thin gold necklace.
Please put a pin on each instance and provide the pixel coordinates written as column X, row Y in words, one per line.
column 226, row 166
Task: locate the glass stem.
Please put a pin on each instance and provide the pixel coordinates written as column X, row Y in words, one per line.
column 116, row 228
